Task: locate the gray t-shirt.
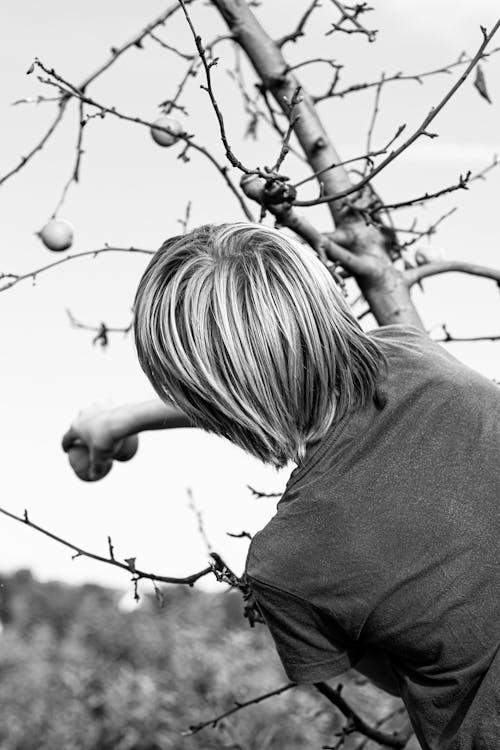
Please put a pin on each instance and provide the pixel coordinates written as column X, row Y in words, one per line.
column 387, row 540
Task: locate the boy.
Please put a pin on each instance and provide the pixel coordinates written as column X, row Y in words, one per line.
column 384, row 549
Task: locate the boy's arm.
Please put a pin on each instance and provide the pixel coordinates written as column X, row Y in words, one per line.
column 147, row 415
column 99, row 435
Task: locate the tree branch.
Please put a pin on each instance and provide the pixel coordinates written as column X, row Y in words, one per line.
column 194, row 728
column 299, row 30
column 128, row 565
column 446, row 69
column 421, row 130
column 72, row 91
column 14, row 278
column 116, row 52
column 358, row 724
column 413, row 275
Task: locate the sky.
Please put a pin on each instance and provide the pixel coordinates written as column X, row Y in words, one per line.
column 133, row 193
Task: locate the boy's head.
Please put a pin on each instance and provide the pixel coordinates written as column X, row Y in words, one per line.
column 244, row 329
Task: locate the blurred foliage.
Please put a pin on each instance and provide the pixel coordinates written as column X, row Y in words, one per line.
column 79, row 672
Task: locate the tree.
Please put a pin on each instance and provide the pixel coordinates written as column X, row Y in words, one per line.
column 354, row 231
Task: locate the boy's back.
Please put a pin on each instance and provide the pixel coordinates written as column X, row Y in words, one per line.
column 387, row 538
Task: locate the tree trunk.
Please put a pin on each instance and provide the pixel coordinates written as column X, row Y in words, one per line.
column 383, row 285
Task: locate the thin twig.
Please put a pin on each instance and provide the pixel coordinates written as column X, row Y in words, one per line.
column 378, row 91
column 194, row 728
column 71, row 90
column 462, row 184
column 257, row 493
column 233, row 160
column 128, row 565
column 420, row 131
column 116, row 52
column 351, row 14
column 38, row 147
column 75, row 173
column 299, row 30
column 14, row 278
column 446, row 69
column 448, row 338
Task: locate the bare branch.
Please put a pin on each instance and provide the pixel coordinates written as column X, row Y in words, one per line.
column 13, row 278
column 378, row 91
column 445, row 69
column 421, row 233
column 241, row 535
column 299, row 31
column 101, row 331
column 413, row 275
column 128, row 565
column 135, row 41
column 199, row 520
column 233, row 160
column 358, row 724
column 462, row 184
column 448, row 338
column 350, row 14
column 38, row 147
column 185, row 221
column 421, row 130
column 317, row 174
column 71, row 90
column 170, row 48
column 194, row 728
column 293, row 119
column 257, row 493
column 75, row 173
column 116, row 52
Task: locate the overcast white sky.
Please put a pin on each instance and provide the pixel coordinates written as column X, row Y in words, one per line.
column 133, row 193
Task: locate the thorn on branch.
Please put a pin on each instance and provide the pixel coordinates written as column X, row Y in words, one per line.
column 130, row 561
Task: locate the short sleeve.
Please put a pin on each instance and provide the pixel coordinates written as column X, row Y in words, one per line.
column 311, row 646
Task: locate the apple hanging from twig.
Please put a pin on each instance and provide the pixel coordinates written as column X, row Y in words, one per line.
column 57, row 235
column 161, row 137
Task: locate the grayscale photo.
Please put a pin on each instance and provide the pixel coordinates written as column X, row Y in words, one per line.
column 250, row 357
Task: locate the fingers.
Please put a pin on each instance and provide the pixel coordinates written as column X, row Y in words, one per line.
column 70, row 439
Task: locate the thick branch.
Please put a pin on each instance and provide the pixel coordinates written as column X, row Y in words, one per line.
column 358, row 724
column 414, row 275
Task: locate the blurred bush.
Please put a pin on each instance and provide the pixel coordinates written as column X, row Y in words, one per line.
column 77, row 672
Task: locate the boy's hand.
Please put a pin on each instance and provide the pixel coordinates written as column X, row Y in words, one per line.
column 92, row 444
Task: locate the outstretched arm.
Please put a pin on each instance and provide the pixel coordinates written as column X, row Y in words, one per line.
column 98, row 436
column 148, row 415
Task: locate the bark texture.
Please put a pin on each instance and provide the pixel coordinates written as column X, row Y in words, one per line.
column 381, row 283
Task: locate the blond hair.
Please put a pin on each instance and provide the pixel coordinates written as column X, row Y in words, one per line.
column 245, row 330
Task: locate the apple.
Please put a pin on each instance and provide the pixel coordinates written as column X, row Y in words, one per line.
column 253, row 186
column 161, row 137
column 57, row 235
column 127, row 449
column 80, row 463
